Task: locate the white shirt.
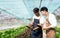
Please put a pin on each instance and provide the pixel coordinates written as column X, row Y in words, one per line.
column 41, row 19
column 52, row 20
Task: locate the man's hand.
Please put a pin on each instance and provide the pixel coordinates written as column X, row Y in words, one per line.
column 40, row 25
column 30, row 25
column 35, row 28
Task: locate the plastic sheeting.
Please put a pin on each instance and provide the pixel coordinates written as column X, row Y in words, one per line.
column 23, row 8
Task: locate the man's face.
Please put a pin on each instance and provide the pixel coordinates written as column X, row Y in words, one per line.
column 43, row 12
column 37, row 14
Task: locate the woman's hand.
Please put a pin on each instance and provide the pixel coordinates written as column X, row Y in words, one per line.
column 45, row 28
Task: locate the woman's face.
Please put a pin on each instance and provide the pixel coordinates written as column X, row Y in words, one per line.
column 43, row 12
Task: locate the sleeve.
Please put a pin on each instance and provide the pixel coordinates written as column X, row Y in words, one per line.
column 53, row 21
column 33, row 18
column 42, row 20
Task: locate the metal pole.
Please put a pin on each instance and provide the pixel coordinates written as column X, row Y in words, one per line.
column 40, row 4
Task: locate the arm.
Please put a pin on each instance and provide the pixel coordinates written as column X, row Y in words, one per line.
column 30, row 25
column 38, row 26
column 48, row 24
column 51, row 22
column 42, row 20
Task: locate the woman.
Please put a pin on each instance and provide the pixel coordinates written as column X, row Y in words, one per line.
column 50, row 23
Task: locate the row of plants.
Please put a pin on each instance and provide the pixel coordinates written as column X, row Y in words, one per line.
column 57, row 32
column 11, row 33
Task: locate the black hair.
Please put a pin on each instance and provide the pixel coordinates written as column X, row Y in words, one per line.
column 36, row 10
column 44, row 9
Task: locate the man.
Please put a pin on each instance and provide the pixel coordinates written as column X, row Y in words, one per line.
column 50, row 23
column 37, row 29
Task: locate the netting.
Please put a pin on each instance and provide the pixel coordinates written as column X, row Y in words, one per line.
column 14, row 12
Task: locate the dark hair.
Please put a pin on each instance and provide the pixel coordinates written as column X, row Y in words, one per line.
column 44, row 9
column 36, row 10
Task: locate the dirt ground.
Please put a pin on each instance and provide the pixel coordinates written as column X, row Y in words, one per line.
column 26, row 34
